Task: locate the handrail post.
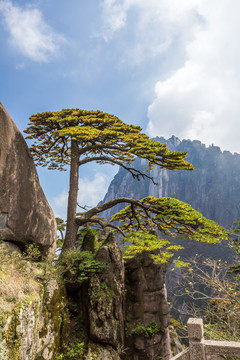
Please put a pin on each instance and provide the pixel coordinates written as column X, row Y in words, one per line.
column 196, row 339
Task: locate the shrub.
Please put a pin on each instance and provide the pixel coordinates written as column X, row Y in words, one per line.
column 76, row 266
column 147, row 331
column 74, row 351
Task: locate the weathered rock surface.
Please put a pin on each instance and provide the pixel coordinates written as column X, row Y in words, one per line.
column 19, row 331
column 31, row 329
column 100, row 351
column 52, row 319
column 106, row 297
column 176, row 345
column 25, row 215
column 146, row 303
column 9, row 247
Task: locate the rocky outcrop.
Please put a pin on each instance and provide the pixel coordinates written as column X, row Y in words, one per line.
column 31, row 313
column 106, row 300
column 25, row 215
column 147, row 311
column 140, row 332
column 9, row 247
column 40, row 320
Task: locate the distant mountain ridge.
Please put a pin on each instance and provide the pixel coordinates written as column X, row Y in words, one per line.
column 213, row 188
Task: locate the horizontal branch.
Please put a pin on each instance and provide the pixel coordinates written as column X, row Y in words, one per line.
column 108, row 205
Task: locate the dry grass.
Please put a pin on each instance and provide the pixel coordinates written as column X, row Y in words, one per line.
column 17, row 281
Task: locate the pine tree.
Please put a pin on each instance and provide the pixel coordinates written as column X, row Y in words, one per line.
column 74, row 137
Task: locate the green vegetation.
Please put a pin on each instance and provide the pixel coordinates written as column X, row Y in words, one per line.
column 74, row 351
column 147, row 331
column 211, row 293
column 32, row 304
column 32, row 253
column 76, row 266
column 172, row 217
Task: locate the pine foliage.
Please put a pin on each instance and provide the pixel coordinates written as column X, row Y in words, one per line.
column 101, row 137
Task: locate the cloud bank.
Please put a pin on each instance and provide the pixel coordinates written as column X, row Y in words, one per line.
column 28, row 33
column 201, row 100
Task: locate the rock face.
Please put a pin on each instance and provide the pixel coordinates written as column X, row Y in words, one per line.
column 100, row 351
column 19, row 331
column 114, row 316
column 25, row 215
column 31, row 329
column 52, row 321
column 106, row 300
column 147, row 311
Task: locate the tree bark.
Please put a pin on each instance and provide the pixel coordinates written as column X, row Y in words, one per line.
column 72, row 227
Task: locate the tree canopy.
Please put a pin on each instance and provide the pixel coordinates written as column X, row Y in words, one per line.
column 101, row 137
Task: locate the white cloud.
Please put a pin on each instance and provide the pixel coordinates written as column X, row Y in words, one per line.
column 162, row 13
column 59, row 204
column 148, row 28
column 114, row 15
column 29, row 33
column 90, row 193
column 201, row 100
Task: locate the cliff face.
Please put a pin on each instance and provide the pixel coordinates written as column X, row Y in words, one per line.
column 213, row 188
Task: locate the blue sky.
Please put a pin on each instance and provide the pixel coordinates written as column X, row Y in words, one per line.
column 169, row 66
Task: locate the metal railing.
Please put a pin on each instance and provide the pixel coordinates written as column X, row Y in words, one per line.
column 201, row 349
